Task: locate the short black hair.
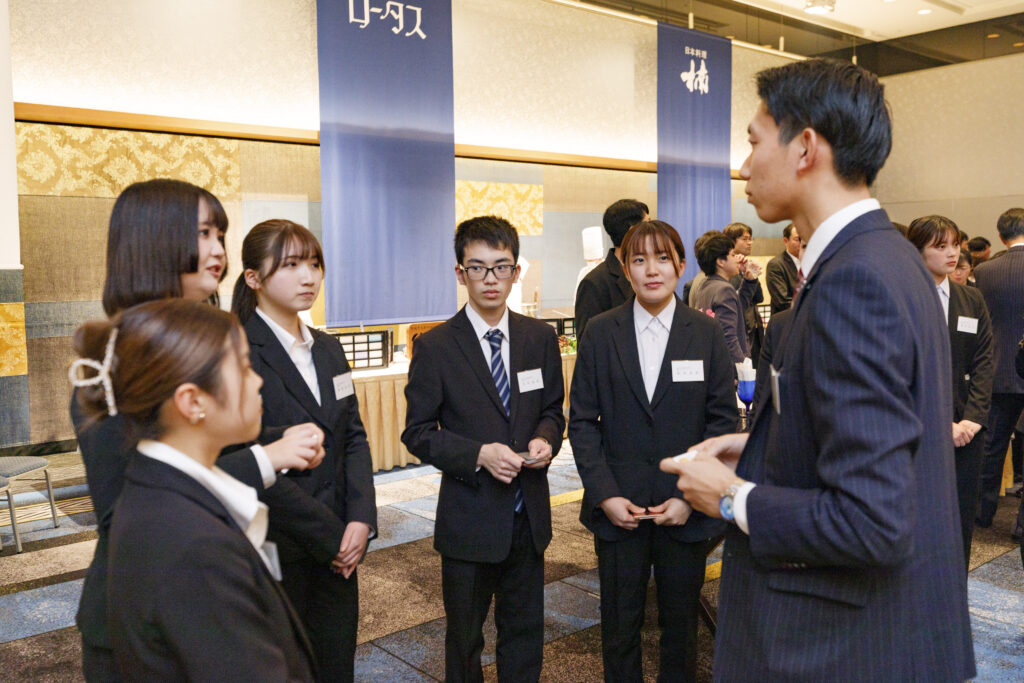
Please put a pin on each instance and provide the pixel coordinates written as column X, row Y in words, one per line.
column 787, row 231
column 495, row 231
column 621, row 216
column 737, row 230
column 840, row 101
column 710, row 247
column 1011, row 224
column 978, row 244
column 929, row 231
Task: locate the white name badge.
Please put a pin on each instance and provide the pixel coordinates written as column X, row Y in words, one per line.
column 343, row 386
column 687, row 371
column 530, row 380
column 968, row 325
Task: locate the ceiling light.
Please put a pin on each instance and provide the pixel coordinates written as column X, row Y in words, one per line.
column 889, row 0
column 820, row 6
column 992, row 35
column 924, row 11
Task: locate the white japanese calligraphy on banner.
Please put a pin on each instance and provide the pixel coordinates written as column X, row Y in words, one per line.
column 395, row 11
column 696, row 79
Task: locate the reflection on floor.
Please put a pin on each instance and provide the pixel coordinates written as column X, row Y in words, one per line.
column 401, row 626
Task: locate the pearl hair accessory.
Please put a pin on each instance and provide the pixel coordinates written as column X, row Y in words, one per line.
column 102, row 373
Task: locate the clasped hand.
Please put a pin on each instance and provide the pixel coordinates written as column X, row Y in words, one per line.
column 300, row 447
column 504, row 464
column 620, row 511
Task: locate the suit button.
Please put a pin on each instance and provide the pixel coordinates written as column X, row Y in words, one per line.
column 514, row 443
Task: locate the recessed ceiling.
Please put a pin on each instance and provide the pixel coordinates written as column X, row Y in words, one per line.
column 879, row 20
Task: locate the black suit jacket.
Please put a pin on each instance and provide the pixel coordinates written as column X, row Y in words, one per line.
column 454, row 409
column 852, row 567
column 972, row 355
column 618, row 437
column 189, row 597
column 344, row 480
column 774, row 340
column 781, row 276
column 602, row 289
column 1001, row 281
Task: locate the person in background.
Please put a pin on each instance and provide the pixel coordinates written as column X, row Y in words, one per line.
column 743, row 236
column 306, row 377
column 484, row 399
column 970, row 339
column 782, row 272
column 964, row 270
column 192, row 591
column 719, row 262
column 980, row 248
column 652, row 376
column 1001, row 281
column 605, row 287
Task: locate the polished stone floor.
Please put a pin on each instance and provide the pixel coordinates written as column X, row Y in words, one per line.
column 401, row 627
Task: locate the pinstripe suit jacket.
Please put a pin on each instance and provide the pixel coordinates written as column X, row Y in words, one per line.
column 1001, row 282
column 852, row 570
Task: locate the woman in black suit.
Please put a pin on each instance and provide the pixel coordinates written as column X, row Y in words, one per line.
column 306, row 377
column 192, row 594
column 166, row 239
column 970, row 337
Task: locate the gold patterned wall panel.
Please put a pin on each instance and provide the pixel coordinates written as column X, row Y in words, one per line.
column 48, row 388
column 63, row 247
column 520, row 204
column 592, row 189
column 13, row 352
column 77, row 161
column 274, row 170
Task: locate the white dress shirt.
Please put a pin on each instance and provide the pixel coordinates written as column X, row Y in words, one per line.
column 301, row 352
column 481, row 328
column 943, row 290
column 819, row 241
column 651, row 340
column 794, row 259
column 238, row 499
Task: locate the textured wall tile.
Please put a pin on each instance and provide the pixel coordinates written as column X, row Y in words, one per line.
column 745, row 65
column 13, row 355
column 561, row 249
column 48, row 388
column 274, row 170
column 12, row 289
column 63, row 247
column 77, row 161
column 14, row 414
column 492, row 171
column 59, row 318
column 522, row 205
column 592, row 189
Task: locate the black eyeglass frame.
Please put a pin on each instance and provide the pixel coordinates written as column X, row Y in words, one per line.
column 493, row 269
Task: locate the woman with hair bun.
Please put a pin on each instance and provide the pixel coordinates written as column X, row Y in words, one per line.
column 192, row 593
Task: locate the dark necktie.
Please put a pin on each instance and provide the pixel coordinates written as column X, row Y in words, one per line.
column 799, row 285
column 494, row 338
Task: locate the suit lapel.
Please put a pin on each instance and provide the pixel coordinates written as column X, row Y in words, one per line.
column 277, row 359
column 615, row 268
column 517, row 344
column 679, row 340
column 624, row 339
column 468, row 343
column 322, row 362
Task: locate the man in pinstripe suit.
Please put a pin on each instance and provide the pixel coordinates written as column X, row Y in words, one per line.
column 844, row 561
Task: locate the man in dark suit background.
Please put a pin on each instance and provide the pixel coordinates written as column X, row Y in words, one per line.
column 606, row 286
column 743, row 236
column 1001, row 281
column 843, row 561
column 484, row 401
column 782, row 271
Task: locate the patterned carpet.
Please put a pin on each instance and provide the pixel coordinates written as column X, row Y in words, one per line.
column 401, row 627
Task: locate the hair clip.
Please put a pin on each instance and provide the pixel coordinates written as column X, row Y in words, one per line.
column 102, row 373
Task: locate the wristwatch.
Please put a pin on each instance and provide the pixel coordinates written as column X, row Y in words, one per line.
column 725, row 503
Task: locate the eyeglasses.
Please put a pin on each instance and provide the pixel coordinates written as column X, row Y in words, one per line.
column 502, row 272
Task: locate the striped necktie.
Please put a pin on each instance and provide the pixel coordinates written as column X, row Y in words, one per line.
column 799, row 285
column 494, row 338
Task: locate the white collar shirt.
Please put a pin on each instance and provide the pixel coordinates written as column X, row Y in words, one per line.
column 831, row 227
column 237, row 498
column 481, row 328
column 794, row 259
column 301, row 352
column 943, row 290
column 651, row 340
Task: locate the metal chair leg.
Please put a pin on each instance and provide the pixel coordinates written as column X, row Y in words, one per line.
column 14, row 521
column 53, row 505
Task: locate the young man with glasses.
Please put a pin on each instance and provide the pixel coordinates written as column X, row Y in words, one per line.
column 484, row 402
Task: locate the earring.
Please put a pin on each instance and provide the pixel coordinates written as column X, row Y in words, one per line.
column 197, row 417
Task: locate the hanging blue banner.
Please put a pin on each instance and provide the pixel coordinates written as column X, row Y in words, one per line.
column 387, row 160
column 694, row 118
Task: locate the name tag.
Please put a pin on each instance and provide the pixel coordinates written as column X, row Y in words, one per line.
column 343, row 386
column 968, row 325
column 687, row 371
column 530, row 380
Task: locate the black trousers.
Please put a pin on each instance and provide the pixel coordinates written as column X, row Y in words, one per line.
column 969, row 460
column 1002, row 418
column 624, row 568
column 328, row 605
column 517, row 585
column 99, row 664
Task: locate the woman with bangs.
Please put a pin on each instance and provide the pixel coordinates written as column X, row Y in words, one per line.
column 307, row 378
column 652, row 378
column 970, row 339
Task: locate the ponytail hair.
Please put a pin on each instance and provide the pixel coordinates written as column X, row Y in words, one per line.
column 262, row 251
column 157, row 347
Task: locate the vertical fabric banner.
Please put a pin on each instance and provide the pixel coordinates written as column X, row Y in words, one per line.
column 387, row 160
column 694, row 118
